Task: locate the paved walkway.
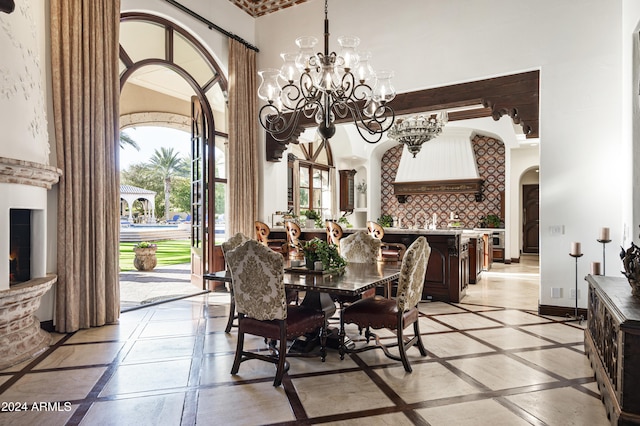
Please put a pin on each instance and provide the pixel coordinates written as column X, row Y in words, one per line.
column 164, row 282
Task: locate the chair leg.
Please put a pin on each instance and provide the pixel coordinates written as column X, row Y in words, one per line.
column 239, row 348
column 281, row 356
column 402, row 349
column 418, row 336
column 341, row 336
column 323, row 341
column 232, row 311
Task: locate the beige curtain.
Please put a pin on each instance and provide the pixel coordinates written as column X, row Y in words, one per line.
column 243, row 139
column 84, row 61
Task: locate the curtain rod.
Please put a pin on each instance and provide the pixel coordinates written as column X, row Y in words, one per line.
column 211, row 25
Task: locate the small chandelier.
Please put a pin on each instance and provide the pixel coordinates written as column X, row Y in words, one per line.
column 325, row 86
column 414, row 131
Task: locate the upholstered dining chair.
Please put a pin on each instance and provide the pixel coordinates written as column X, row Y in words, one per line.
column 232, row 243
column 378, row 312
column 262, row 235
column 257, row 273
column 389, row 252
column 334, row 232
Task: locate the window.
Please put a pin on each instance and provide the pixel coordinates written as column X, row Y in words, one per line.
column 309, row 180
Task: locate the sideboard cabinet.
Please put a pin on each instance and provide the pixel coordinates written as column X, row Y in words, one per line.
column 612, row 343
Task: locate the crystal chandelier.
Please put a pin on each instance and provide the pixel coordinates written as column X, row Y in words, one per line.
column 325, row 87
column 414, row 131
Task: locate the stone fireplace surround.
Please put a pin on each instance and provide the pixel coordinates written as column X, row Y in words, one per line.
column 24, row 185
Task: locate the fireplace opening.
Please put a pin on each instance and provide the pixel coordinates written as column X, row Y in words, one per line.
column 19, row 246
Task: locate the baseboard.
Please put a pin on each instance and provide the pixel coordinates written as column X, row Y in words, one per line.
column 47, row 326
column 515, row 260
column 507, row 261
column 561, row 311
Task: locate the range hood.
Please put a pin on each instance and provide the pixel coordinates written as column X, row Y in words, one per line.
column 446, row 164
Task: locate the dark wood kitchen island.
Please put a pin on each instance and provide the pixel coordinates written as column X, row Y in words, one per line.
column 447, row 275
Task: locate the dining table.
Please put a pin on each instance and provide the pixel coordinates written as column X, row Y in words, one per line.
column 319, row 287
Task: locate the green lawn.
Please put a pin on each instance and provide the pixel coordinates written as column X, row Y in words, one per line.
column 170, row 252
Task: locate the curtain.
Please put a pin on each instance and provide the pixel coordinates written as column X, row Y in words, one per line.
column 243, row 145
column 86, row 91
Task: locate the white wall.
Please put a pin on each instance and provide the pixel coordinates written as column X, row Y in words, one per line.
column 578, row 51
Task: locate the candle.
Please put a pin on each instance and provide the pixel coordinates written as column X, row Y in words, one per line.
column 595, row 268
column 575, row 249
column 604, row 234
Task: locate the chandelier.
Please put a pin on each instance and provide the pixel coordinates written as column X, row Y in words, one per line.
column 324, row 87
column 414, row 131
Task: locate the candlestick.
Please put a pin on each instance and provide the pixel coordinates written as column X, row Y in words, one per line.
column 576, row 317
column 604, row 244
column 576, row 249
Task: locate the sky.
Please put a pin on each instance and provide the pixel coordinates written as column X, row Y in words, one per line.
column 151, row 138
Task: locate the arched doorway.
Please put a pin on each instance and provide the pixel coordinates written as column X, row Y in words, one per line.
column 168, row 78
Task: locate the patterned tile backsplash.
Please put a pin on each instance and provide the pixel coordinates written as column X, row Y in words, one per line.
column 490, row 159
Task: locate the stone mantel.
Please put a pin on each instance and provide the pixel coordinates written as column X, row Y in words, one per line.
column 28, row 173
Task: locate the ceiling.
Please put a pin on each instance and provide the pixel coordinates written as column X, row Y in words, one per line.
column 257, row 8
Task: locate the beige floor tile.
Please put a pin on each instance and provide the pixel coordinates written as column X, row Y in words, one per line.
column 500, row 372
column 470, row 413
column 78, row 355
column 427, row 382
column 453, row 344
column 120, row 332
column 562, row 361
column 356, row 392
column 150, row 410
column 218, row 324
column 222, row 405
column 180, row 313
column 147, row 377
column 558, row 332
column 427, row 325
column 509, row 338
column 593, row 386
column 394, row 419
column 217, row 369
column 303, row 365
column 65, row 385
column 434, row 308
column 467, row 321
column 376, row 357
column 564, row 406
column 157, row 349
column 170, row 328
column 515, row 317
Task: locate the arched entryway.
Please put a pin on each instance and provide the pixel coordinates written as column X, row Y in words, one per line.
column 168, row 78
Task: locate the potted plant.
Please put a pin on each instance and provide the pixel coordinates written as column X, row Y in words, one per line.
column 312, row 218
column 145, row 256
column 493, row 221
column 318, row 249
column 386, row 221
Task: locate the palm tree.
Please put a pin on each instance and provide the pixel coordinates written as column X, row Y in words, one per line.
column 125, row 139
column 167, row 163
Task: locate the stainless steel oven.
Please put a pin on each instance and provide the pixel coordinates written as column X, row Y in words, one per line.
column 498, row 239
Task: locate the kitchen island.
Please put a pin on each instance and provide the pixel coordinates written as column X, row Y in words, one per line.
column 447, row 274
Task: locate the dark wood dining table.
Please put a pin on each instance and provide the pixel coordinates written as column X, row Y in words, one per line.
column 318, row 288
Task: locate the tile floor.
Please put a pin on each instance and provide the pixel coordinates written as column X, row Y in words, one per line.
column 492, row 361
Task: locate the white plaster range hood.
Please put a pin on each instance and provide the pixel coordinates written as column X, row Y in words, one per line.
column 446, row 164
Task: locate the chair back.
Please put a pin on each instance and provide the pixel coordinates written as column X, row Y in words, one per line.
column 412, row 272
column 375, row 230
column 262, row 232
column 293, row 233
column 334, row 232
column 360, row 248
column 257, row 274
column 233, row 243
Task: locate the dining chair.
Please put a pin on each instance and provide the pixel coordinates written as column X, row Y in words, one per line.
column 378, row 312
column 389, row 252
column 257, row 278
column 262, row 235
column 293, row 239
column 334, row 233
column 232, row 243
